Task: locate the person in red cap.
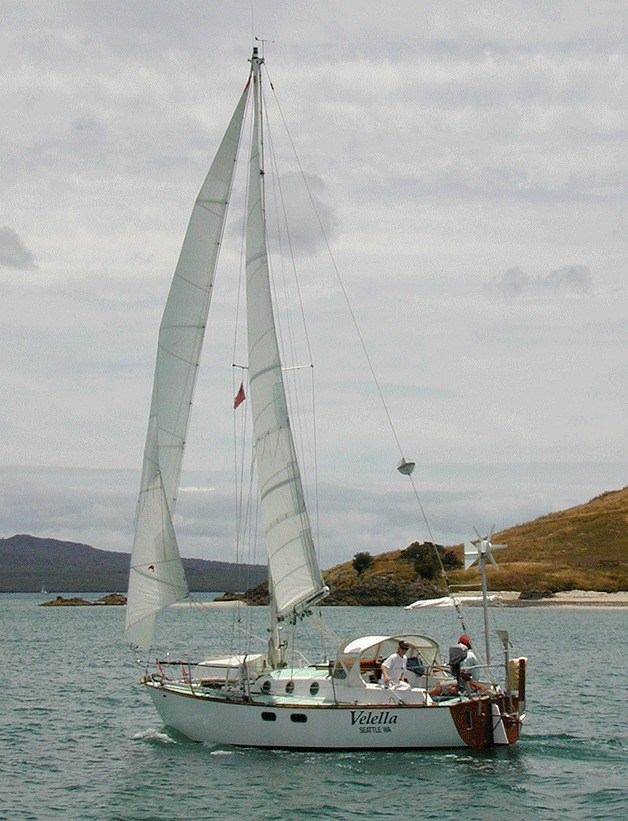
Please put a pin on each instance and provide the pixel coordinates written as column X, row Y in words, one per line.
column 465, row 672
column 469, row 666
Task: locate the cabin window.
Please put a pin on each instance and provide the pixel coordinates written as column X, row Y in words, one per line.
column 298, row 718
column 469, row 720
column 266, row 687
column 314, row 688
column 290, row 687
column 269, row 717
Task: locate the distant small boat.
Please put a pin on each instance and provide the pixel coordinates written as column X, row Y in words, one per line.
column 43, row 591
column 277, row 698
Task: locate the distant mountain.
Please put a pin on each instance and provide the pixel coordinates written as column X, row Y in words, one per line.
column 28, row 564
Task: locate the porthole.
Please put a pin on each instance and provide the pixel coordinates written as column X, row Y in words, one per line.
column 298, row 718
column 314, row 688
column 269, row 717
column 290, row 687
column 266, row 687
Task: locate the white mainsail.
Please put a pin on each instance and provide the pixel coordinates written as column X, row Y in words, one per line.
column 157, row 578
column 294, row 574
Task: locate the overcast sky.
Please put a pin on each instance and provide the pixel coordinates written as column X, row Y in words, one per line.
column 468, row 161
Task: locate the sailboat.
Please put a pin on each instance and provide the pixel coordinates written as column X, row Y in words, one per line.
column 275, row 699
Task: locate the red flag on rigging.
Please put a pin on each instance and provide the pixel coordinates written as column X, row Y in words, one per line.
column 240, row 397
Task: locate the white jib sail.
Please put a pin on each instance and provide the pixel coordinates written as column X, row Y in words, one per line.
column 156, row 577
column 293, row 568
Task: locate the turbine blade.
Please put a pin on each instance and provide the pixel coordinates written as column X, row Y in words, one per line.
column 471, row 554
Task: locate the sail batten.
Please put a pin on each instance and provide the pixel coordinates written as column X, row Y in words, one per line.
column 157, row 578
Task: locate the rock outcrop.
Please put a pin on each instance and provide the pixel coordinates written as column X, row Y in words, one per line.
column 111, row 599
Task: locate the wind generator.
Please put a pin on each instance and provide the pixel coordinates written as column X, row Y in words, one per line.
column 479, row 550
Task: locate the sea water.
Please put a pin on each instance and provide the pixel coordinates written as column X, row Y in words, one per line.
column 80, row 739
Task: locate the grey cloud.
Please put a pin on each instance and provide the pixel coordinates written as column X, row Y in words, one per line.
column 506, row 183
column 93, row 507
column 574, row 279
column 299, row 212
column 302, row 215
column 305, row 232
column 13, row 252
column 96, row 506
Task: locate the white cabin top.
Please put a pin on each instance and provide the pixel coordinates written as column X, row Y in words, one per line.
column 368, row 650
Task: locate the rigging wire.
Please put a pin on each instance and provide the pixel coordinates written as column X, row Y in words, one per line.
column 244, row 630
column 294, row 385
column 337, row 273
column 241, row 435
column 362, row 341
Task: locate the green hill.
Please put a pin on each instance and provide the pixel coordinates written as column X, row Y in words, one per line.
column 582, row 548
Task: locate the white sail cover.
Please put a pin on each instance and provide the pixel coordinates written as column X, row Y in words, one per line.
column 451, row 601
column 294, row 574
column 157, row 578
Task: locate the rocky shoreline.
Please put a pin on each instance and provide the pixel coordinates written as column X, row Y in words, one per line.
column 110, row 600
column 509, row 598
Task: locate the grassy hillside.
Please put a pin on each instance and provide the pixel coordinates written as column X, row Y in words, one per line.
column 584, row 547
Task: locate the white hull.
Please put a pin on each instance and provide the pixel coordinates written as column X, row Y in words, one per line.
column 328, row 727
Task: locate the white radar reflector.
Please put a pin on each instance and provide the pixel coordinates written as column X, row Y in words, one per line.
column 405, row 467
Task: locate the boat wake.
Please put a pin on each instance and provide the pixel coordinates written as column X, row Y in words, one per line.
column 153, row 736
column 561, row 745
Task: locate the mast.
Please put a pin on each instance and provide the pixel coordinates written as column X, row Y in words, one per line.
column 487, row 644
column 295, row 579
column 276, row 648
